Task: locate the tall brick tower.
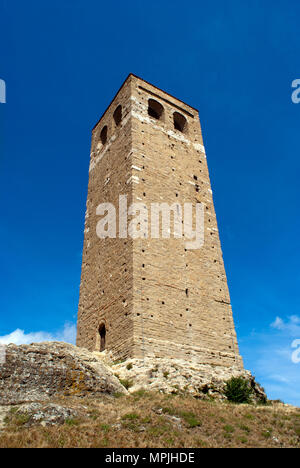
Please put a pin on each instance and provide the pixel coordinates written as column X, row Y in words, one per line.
column 147, row 297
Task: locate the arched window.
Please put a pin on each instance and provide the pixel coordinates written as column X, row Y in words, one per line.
column 118, row 115
column 103, row 135
column 102, row 333
column 155, row 109
column 180, row 122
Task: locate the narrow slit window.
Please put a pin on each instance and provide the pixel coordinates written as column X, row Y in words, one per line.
column 118, row 115
column 102, row 333
column 180, row 122
column 155, row 109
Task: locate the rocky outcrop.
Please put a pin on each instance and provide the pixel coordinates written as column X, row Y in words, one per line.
column 176, row 376
column 39, row 371
column 44, row 414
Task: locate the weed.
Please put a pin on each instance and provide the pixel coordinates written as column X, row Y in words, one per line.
column 190, row 419
column 237, row 390
column 130, row 416
column 126, row 383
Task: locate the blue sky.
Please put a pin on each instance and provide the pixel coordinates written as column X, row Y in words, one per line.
column 63, row 61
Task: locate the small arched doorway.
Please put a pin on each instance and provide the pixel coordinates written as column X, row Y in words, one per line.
column 102, row 333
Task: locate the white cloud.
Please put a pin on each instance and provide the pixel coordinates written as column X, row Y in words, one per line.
column 279, row 378
column 291, row 326
column 273, row 356
column 18, row 337
column 278, row 324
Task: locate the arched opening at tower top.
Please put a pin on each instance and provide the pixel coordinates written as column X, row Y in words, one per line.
column 180, row 122
column 102, row 333
column 118, row 115
column 103, row 135
column 155, row 109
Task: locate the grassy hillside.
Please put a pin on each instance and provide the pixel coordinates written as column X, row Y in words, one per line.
column 156, row 420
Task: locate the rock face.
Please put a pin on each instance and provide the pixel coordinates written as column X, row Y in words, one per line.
column 174, row 375
column 40, row 371
column 37, row 372
column 45, row 414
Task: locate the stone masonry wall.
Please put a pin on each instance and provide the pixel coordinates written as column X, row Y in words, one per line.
column 170, row 301
column 107, row 275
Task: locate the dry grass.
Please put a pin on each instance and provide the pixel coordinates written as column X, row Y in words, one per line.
column 154, row 420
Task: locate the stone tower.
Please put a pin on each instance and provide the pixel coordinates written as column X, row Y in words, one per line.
column 153, row 297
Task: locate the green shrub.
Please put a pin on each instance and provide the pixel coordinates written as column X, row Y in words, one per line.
column 130, row 416
column 139, row 393
column 71, row 422
column 105, row 427
column 94, row 414
column 126, row 383
column 169, row 410
column 118, row 361
column 21, row 419
column 245, row 428
column 237, row 390
column 118, row 395
column 190, row 418
column 228, row 428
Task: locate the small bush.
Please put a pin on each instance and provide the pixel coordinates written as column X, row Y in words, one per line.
column 131, row 421
column 229, row 429
column 21, row 419
column 71, row 422
column 94, row 414
column 129, row 366
column 141, row 393
column 118, row 395
column 146, row 420
column 126, row 383
column 245, row 428
column 118, row 361
column 190, row 419
column 169, row 410
column 158, row 430
column 237, row 390
column 130, row 416
column 105, row 427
